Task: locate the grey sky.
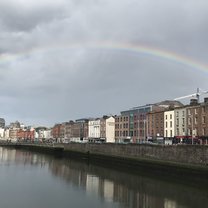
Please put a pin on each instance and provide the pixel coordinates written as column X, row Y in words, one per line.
column 44, row 80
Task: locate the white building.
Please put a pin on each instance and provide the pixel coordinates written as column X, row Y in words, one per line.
column 1, row 133
column 47, row 134
column 169, row 123
column 110, row 129
column 94, row 128
column 6, row 134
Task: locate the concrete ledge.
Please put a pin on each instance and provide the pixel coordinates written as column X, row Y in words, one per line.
column 35, row 147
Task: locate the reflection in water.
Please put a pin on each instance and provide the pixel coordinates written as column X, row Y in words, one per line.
column 121, row 188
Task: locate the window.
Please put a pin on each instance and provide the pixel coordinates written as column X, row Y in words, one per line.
column 189, row 112
column 171, row 133
column 177, row 121
column 166, row 117
column 195, row 132
column 203, row 109
column 177, row 114
column 177, row 131
column 189, row 121
column 170, row 116
column 166, row 124
column 171, row 124
column 183, row 121
column 203, row 131
column 166, row 133
column 183, row 113
column 203, row 120
column 195, row 120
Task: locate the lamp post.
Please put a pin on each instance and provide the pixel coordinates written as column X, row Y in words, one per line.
column 144, row 130
column 192, row 129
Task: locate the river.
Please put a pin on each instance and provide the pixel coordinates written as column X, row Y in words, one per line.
column 33, row 180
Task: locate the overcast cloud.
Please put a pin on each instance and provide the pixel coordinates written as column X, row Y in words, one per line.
column 44, row 80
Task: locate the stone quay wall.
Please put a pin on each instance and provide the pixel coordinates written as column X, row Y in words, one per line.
column 179, row 154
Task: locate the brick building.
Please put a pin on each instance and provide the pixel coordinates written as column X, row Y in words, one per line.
column 155, row 124
column 56, row 131
column 132, row 125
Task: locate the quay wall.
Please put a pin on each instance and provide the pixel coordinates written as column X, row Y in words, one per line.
column 179, row 154
column 185, row 163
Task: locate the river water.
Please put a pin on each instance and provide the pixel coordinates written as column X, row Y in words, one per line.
column 33, row 180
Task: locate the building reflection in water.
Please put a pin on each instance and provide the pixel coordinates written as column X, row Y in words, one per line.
column 126, row 189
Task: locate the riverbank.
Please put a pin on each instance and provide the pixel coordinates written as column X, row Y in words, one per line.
column 185, row 162
column 182, row 162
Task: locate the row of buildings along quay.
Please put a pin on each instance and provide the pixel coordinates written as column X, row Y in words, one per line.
column 166, row 122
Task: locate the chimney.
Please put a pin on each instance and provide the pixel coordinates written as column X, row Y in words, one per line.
column 193, row 101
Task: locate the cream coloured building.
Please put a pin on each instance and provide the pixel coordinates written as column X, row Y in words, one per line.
column 180, row 122
column 110, row 129
column 169, row 123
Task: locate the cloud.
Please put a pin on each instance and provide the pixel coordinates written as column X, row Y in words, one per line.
column 44, row 79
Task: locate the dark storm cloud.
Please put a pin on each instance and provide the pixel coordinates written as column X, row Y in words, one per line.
column 46, row 81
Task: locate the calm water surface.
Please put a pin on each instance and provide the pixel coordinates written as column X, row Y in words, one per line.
column 31, row 180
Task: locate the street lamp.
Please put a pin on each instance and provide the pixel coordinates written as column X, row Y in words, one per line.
column 192, row 129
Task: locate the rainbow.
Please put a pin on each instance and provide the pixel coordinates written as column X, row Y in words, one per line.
column 124, row 47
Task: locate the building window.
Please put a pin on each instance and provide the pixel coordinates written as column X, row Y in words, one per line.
column 195, row 120
column 183, row 113
column 183, row 121
column 166, row 117
column 195, row 131
column 189, row 121
column 166, row 133
column 171, row 133
column 189, row 112
column 166, row 124
column 203, row 131
column 177, row 131
column 203, row 109
column 171, row 124
column 170, row 116
column 177, row 114
column 203, row 120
